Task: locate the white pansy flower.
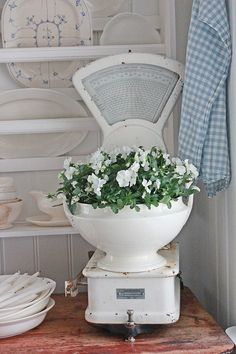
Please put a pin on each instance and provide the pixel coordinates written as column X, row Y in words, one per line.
column 60, row 175
column 144, row 195
column 146, row 166
column 123, row 178
column 133, row 178
column 177, row 161
column 193, row 170
column 143, row 160
column 74, row 200
column 135, row 167
column 167, row 159
column 107, row 162
column 146, row 184
column 88, row 189
column 114, row 153
column 97, row 160
column 61, row 196
column 125, row 151
column 74, row 183
column 67, row 162
column 97, row 183
column 180, row 169
column 196, row 188
column 157, row 183
column 69, row 172
column 154, row 154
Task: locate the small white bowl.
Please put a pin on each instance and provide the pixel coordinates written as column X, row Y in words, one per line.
column 6, row 182
column 7, row 196
column 15, row 327
column 9, row 201
column 231, row 332
column 4, row 189
column 9, row 212
column 28, row 311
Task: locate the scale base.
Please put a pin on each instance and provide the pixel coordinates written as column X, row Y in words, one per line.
column 153, row 296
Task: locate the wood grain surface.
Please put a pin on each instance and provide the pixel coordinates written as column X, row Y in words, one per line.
column 66, row 331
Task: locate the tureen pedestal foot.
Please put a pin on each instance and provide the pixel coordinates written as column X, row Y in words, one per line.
column 139, row 263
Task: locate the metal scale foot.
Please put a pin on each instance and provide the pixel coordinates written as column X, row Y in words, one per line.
column 129, row 329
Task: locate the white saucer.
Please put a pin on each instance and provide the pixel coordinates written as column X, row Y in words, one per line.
column 44, row 220
column 129, row 28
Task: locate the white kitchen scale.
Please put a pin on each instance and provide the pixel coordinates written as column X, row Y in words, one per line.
column 131, row 96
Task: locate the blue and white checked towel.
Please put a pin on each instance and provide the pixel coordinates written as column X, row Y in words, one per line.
column 203, row 127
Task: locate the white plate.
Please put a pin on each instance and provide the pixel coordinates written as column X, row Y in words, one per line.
column 33, row 104
column 15, row 327
column 104, row 8
column 129, row 28
column 15, row 304
column 27, row 311
column 45, row 23
column 44, row 220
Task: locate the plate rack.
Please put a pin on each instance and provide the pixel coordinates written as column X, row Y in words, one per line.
column 165, row 23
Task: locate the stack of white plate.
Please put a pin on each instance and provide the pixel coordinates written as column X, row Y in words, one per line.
column 10, row 204
column 7, row 189
column 24, row 302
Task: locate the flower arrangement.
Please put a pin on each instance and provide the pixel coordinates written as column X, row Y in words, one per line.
column 126, row 177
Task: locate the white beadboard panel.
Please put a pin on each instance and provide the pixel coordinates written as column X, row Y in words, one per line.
column 127, row 6
column 2, row 261
column 198, row 254
column 54, row 259
column 151, row 9
column 19, row 254
column 222, row 260
column 79, row 253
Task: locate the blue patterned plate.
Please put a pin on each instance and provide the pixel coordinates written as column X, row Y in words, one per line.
column 45, row 23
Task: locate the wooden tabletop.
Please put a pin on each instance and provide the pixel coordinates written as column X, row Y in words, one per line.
column 66, row 331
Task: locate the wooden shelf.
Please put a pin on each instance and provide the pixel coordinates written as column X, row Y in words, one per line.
column 37, row 163
column 52, row 125
column 23, row 229
column 74, row 53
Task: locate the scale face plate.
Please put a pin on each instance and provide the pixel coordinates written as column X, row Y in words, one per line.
column 154, row 296
column 131, row 96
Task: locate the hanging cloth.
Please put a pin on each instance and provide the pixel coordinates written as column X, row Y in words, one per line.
column 203, row 127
